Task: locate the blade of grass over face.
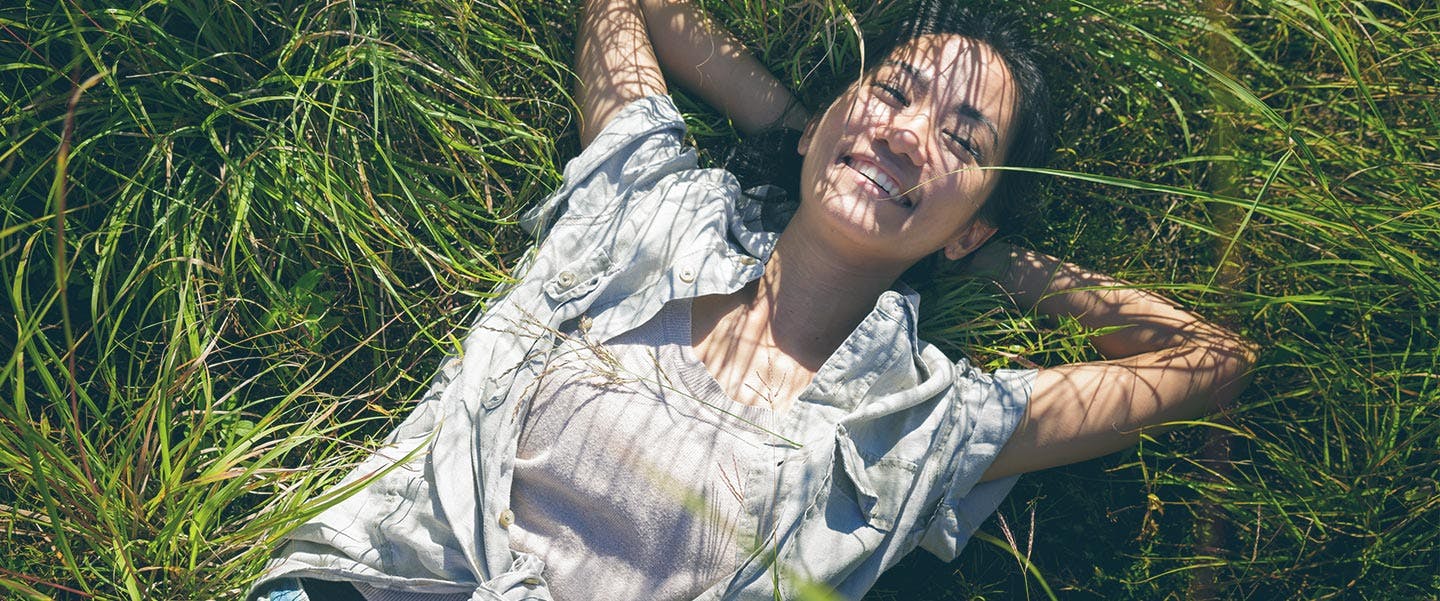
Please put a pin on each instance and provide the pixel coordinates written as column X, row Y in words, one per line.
column 237, row 238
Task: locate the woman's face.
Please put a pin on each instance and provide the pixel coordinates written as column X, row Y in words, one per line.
column 890, row 169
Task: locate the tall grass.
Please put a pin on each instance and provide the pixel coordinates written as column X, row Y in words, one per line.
column 237, row 237
column 233, row 237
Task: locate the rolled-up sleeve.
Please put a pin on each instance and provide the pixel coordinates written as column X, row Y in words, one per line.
column 641, row 144
column 994, row 405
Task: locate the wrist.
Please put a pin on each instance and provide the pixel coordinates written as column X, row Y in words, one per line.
column 991, row 261
column 794, row 116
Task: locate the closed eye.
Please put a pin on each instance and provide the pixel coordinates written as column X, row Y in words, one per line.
column 965, row 144
column 893, row 92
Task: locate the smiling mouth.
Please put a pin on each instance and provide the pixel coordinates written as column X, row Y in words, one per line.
column 882, row 180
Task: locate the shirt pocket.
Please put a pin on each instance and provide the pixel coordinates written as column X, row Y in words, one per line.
column 578, row 277
column 880, row 485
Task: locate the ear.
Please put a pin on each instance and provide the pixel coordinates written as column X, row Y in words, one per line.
column 970, row 239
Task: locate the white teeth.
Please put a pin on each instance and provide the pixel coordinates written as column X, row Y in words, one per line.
column 885, row 182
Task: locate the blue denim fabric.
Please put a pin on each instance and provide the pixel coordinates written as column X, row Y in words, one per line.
column 891, row 436
column 283, row 589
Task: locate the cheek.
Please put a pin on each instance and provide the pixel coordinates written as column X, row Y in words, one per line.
column 873, row 111
column 964, row 190
column 854, row 110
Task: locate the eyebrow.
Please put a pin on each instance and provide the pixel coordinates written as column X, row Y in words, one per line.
column 965, row 109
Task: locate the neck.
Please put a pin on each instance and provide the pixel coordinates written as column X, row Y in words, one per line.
column 765, row 342
column 809, row 300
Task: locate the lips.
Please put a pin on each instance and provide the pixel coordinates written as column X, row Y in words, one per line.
column 882, row 180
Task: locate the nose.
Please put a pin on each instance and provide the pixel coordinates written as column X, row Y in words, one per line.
column 906, row 135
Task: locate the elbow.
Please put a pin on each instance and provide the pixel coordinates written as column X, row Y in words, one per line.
column 1249, row 354
column 1236, row 359
column 1221, row 363
column 1242, row 352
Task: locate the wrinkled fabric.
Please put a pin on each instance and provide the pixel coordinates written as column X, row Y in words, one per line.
column 629, row 443
column 882, row 452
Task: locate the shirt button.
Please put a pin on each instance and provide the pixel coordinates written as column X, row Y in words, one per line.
column 507, row 517
column 748, row 260
column 531, row 581
column 687, row 275
column 566, row 278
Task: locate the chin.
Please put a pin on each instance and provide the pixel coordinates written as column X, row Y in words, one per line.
column 857, row 226
column 876, row 216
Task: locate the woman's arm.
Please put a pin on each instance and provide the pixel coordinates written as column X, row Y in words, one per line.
column 614, row 62
column 710, row 62
column 1162, row 363
column 617, row 64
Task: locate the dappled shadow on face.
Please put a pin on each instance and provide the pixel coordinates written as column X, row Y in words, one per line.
column 894, row 168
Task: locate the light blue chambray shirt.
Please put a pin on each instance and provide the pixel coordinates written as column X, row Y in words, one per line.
column 891, row 436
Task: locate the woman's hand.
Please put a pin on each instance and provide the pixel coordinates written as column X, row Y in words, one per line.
column 1162, row 363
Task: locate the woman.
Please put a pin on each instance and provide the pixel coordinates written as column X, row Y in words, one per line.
column 674, row 402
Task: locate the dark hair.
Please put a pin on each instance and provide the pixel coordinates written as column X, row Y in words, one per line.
column 770, row 157
column 1030, row 132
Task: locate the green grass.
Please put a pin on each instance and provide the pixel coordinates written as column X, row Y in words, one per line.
column 237, row 237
